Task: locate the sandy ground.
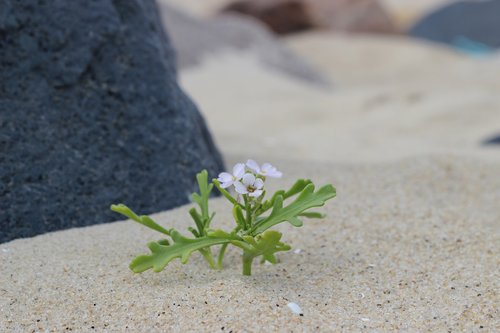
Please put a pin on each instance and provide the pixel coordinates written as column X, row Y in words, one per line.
column 396, row 62
column 407, row 246
column 391, row 98
column 411, row 243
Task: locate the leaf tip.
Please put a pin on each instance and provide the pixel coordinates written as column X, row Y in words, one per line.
column 116, row 207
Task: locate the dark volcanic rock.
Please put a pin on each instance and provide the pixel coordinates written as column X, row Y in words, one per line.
column 477, row 22
column 91, row 114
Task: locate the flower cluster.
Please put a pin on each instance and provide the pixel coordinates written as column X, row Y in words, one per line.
column 248, row 179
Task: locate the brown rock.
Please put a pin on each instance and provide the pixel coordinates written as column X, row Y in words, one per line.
column 288, row 16
column 281, row 16
column 196, row 39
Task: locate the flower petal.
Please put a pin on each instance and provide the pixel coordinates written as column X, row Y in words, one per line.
column 240, row 188
column 238, row 170
column 225, row 177
column 226, row 184
column 268, row 170
column 256, row 193
column 248, row 179
column 253, row 166
column 274, row 174
column 266, row 167
column 258, row 184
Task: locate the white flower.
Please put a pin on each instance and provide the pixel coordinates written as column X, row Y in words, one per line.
column 266, row 170
column 226, row 179
column 249, row 185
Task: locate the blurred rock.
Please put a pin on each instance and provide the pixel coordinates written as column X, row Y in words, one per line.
column 91, row 114
column 281, row 17
column 472, row 22
column 288, row 16
column 493, row 140
column 407, row 12
column 197, row 39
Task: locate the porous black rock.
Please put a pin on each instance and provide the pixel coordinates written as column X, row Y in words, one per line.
column 90, row 115
column 474, row 21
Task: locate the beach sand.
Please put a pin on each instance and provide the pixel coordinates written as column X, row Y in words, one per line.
column 406, row 246
column 411, row 243
column 390, row 99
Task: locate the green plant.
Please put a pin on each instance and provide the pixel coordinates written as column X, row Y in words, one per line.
column 253, row 215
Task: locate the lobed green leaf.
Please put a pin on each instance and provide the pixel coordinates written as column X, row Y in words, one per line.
column 238, row 217
column 313, row 215
column 202, row 198
column 143, row 219
column 265, row 244
column 297, row 187
column 198, row 220
column 182, row 247
column 307, row 199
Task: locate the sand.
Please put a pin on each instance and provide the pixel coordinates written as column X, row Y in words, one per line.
column 407, row 246
column 367, row 60
column 411, row 243
column 424, row 100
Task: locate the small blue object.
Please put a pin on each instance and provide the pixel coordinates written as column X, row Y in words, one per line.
column 469, row 46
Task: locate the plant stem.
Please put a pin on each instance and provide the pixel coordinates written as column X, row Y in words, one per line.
column 247, row 263
column 248, row 210
column 226, row 194
column 256, row 207
column 221, row 255
column 207, row 254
